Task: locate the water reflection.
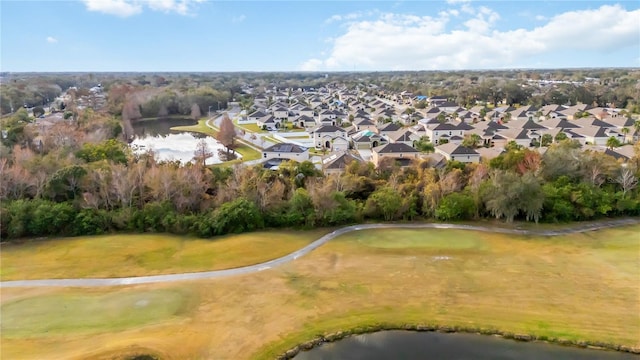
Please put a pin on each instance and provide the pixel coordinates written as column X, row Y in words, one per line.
column 170, row 145
column 407, row 345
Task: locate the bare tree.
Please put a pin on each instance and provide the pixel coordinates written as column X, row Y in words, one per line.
column 627, row 180
column 131, row 111
column 163, row 112
column 227, row 134
column 195, row 112
column 203, row 152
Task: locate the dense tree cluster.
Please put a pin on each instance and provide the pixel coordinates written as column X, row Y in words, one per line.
column 95, row 190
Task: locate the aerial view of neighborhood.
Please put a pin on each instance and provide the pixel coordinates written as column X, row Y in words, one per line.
column 189, row 179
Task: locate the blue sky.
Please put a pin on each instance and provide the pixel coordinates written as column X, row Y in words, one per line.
column 198, row 35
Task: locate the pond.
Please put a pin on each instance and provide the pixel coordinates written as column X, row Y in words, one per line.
column 410, row 345
column 170, row 145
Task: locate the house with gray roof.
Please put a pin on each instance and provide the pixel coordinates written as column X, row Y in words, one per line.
column 337, row 162
column 456, row 152
column 286, row 151
column 400, row 152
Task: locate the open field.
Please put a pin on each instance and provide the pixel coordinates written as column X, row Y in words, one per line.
column 574, row 287
column 144, row 254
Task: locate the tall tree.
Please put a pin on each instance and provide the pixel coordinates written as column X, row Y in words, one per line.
column 195, row 112
column 203, row 152
column 625, row 131
column 227, row 134
column 627, row 180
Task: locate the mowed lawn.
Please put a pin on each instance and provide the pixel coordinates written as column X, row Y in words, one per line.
column 574, row 287
column 144, row 254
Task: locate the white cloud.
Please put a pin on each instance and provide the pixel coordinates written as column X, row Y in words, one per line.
column 122, row 8
column 540, row 18
column 126, row 8
column 409, row 42
column 51, row 40
column 311, row 65
column 238, row 19
column 350, row 16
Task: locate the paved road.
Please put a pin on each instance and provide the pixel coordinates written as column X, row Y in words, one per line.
column 299, row 253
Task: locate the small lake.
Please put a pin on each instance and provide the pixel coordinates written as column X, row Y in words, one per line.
column 170, row 145
column 410, row 345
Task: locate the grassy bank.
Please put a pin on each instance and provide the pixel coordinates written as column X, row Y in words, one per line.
column 144, row 254
column 246, row 151
column 574, row 287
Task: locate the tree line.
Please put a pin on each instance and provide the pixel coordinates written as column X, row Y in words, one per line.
column 101, row 187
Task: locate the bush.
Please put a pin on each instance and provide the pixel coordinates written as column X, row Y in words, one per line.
column 91, row 222
column 237, row 216
column 50, row 218
column 456, row 206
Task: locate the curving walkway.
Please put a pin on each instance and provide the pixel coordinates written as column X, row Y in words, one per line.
column 95, row 282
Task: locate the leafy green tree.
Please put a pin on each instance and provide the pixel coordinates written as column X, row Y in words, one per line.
column 547, row 139
column 50, row 218
column 561, row 136
column 510, row 195
column 456, row 206
column 385, row 203
column 301, row 210
column 237, row 216
column 64, row 184
column 38, row 111
column 111, row 150
column 424, row 145
column 471, row 141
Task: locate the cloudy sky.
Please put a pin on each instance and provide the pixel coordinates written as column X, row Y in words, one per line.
column 201, row 35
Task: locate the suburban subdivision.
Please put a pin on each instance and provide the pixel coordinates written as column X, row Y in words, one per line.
column 264, row 219
column 319, row 180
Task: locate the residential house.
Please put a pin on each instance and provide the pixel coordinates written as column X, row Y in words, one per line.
column 389, row 128
column 269, row 122
column 364, row 124
column 404, row 136
column 305, row 122
column 367, row 139
column 456, row 152
column 594, row 135
column 336, row 163
column 325, row 135
column 255, row 116
column 400, row 152
column 438, row 131
column 286, row 151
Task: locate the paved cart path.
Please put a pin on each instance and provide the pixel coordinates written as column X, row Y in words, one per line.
column 96, row 282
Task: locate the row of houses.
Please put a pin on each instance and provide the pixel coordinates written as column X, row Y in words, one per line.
column 340, row 121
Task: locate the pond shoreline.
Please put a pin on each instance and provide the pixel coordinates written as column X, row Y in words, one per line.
column 361, row 330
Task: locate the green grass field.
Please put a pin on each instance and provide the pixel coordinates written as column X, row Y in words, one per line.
column 254, row 128
column 574, row 287
column 144, row 254
column 59, row 314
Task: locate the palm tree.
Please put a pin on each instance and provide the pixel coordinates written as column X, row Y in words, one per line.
column 612, row 142
column 472, row 141
column 625, row 131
